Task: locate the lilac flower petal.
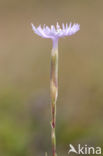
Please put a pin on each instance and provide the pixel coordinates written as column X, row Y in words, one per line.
column 53, row 29
column 58, row 26
column 66, row 25
column 36, row 30
column 63, row 27
column 42, row 32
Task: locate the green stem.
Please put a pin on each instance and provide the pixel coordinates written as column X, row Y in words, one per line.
column 54, row 93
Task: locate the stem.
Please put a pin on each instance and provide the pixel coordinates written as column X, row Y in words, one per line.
column 54, row 92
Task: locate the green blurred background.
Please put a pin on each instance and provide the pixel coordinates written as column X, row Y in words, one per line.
column 24, row 77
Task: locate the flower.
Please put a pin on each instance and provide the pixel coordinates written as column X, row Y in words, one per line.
column 56, row 33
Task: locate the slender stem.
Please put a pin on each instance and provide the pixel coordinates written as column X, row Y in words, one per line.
column 54, row 92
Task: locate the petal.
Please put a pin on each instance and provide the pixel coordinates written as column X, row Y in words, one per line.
column 53, row 29
column 63, row 27
column 36, row 31
column 42, row 32
column 58, row 26
column 68, row 31
column 47, row 29
column 66, row 25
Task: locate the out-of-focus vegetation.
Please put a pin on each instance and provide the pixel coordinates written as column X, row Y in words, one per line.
column 24, row 77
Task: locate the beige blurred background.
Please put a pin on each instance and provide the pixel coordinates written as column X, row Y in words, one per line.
column 24, row 77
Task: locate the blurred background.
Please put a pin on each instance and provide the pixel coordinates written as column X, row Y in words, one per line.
column 24, row 77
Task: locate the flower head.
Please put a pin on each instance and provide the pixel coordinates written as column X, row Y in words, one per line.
column 56, row 32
